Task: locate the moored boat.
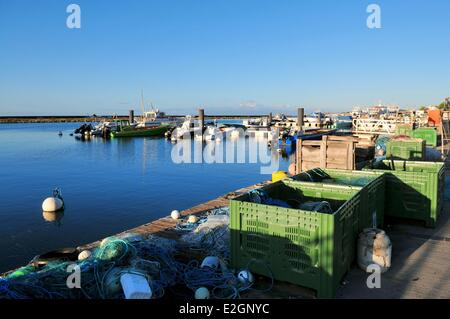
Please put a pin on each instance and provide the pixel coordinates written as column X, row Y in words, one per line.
column 133, row 131
column 290, row 138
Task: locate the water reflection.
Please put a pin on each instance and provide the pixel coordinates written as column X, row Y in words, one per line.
column 53, row 217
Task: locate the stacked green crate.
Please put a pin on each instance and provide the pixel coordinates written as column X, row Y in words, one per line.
column 303, row 247
column 404, row 129
column 414, row 190
column 371, row 184
column 429, row 134
column 406, row 149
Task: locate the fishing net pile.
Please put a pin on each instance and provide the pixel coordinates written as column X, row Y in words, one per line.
column 210, row 234
column 159, row 260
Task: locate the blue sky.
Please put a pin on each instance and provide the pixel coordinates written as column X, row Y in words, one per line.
column 229, row 56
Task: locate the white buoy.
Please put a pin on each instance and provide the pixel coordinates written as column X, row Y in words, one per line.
column 85, row 254
column 374, row 247
column 245, row 276
column 192, row 219
column 52, row 204
column 202, row 293
column 211, row 262
column 175, row 214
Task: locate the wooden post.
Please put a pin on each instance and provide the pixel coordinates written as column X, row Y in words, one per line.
column 201, row 118
column 350, row 155
column 300, row 118
column 298, row 158
column 131, row 116
column 323, row 152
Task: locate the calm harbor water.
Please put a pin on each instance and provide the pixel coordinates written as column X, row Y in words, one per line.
column 108, row 186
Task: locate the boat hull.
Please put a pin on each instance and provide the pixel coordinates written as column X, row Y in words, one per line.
column 142, row 132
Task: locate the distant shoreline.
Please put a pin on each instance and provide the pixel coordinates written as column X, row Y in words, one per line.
column 77, row 118
column 54, row 119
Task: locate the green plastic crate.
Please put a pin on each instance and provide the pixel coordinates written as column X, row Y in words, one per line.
column 371, row 184
column 302, row 247
column 414, row 190
column 429, row 134
column 413, row 149
column 403, row 130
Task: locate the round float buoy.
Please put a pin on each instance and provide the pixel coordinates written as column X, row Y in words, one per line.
column 202, row 293
column 52, row 204
column 245, row 276
column 374, row 247
column 85, row 254
column 192, row 219
column 175, row 214
column 211, row 262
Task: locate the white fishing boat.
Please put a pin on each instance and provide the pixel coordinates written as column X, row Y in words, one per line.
column 257, row 127
column 155, row 118
column 152, row 118
column 104, row 128
column 317, row 120
column 189, row 128
column 256, row 123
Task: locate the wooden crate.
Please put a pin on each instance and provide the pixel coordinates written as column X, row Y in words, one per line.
column 330, row 152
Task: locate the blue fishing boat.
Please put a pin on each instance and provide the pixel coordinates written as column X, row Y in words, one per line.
column 286, row 138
